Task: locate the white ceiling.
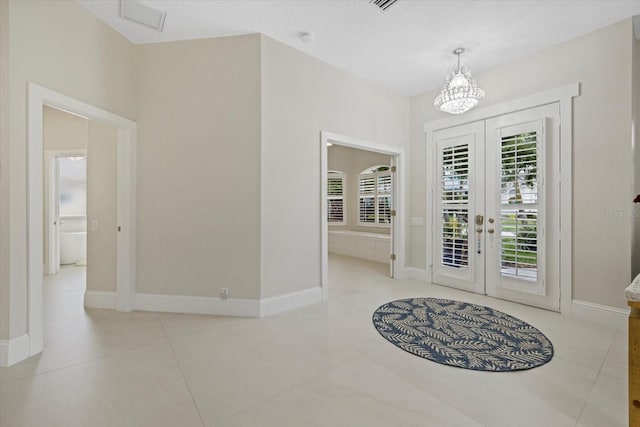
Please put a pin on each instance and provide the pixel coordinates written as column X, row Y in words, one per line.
column 407, row 48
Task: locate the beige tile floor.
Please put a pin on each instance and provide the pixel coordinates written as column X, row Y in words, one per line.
column 322, row 365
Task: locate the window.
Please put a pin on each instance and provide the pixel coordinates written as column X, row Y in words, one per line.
column 374, row 193
column 73, row 186
column 335, row 198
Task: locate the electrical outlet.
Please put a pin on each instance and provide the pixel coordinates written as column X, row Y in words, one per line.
column 224, row 293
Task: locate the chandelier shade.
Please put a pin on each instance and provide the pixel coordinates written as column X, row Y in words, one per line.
column 460, row 92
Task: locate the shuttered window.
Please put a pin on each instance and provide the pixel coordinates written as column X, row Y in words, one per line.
column 455, row 174
column 72, row 173
column 335, row 198
column 455, row 238
column 374, row 192
column 519, row 206
column 454, row 190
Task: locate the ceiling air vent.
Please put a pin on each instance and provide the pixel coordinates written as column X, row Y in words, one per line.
column 383, row 4
column 142, row 14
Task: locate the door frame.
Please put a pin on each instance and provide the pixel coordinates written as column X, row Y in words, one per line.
column 38, row 97
column 50, row 190
column 564, row 97
column 398, row 197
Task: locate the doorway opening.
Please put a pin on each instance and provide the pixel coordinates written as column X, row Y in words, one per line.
column 362, row 197
column 124, row 132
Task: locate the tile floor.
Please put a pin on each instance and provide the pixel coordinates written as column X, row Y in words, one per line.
column 322, row 365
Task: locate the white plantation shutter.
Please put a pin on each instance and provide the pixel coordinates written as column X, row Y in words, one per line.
column 519, row 206
column 454, row 191
column 72, row 172
column 374, row 192
column 335, row 198
column 367, row 185
column 455, row 174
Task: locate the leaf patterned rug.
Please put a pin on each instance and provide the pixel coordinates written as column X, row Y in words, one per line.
column 461, row 334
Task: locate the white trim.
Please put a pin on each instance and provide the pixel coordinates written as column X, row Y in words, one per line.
column 209, row 305
column 98, row 299
column 600, row 314
column 412, row 273
column 285, row 302
column 564, row 95
column 38, row 97
column 547, row 97
column 565, row 196
column 399, row 202
column 15, row 350
column 197, row 305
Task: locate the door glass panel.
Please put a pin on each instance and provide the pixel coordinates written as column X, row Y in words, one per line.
column 519, row 213
column 455, row 196
column 455, row 174
column 519, row 171
column 455, row 238
column 519, row 243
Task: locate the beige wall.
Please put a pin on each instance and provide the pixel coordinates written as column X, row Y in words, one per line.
column 302, row 96
column 601, row 150
column 63, row 131
column 352, row 162
column 102, row 193
column 198, row 226
column 61, row 46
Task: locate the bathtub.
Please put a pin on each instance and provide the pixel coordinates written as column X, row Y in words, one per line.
column 73, row 247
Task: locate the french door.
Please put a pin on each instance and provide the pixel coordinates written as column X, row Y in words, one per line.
column 495, row 216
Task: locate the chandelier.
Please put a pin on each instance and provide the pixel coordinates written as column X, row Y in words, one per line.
column 460, row 92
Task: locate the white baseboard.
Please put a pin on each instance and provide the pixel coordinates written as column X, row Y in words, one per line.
column 197, row 305
column 14, row 350
column 98, row 299
column 412, row 273
column 601, row 314
column 280, row 303
column 209, row 305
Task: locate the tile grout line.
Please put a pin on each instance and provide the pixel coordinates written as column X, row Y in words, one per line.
column 71, row 365
column 186, row 383
column 286, row 390
column 595, row 380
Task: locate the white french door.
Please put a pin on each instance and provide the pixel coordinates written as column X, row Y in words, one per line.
column 459, row 199
column 495, row 217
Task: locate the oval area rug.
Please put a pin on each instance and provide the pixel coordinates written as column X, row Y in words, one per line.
column 462, row 334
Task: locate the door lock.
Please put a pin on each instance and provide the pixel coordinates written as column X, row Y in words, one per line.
column 490, row 230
